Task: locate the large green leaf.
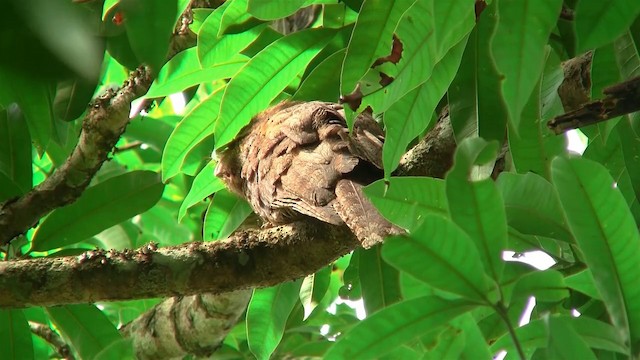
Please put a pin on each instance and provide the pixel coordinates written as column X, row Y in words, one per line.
column 15, row 341
column 409, row 116
column 545, row 285
column 225, row 213
column 203, row 185
column 100, row 207
column 607, row 234
column 322, row 84
column 439, row 253
column 197, row 125
column 15, row 148
column 214, row 49
column 379, row 282
column 598, row 334
column 475, row 205
column 600, row 22
column 532, row 206
column 533, row 146
column 264, row 77
column 271, row 10
column 149, row 25
column 405, row 200
column 183, row 71
column 371, row 38
column 424, row 46
column 518, row 48
column 396, row 325
column 267, row 316
column 88, row 330
column 565, row 342
column 473, row 106
column 313, row 289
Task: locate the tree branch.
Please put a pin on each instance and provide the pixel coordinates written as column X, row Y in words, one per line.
column 248, row 259
column 101, row 129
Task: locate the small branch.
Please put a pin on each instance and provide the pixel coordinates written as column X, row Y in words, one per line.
column 101, row 129
column 52, row 338
column 621, row 99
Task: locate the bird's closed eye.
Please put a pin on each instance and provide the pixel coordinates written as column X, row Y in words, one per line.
column 335, row 119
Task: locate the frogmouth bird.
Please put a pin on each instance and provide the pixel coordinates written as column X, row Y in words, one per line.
column 299, row 159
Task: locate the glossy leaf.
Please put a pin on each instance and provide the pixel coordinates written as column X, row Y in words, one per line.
column 271, row 10
column 532, row 206
column 475, row 205
column 423, row 47
column 100, row 207
column 406, row 200
column 314, row 288
column 267, row 315
column 473, row 105
column 379, row 281
column 598, row 23
column 598, row 334
column 16, row 335
column 607, row 235
column 197, row 125
column 545, row 285
column 233, row 15
column 565, row 342
column 87, row 328
column 322, row 84
column 183, row 71
column 396, row 325
column 214, row 49
column 203, row 185
column 376, row 23
column 518, row 48
column 225, row 213
column 583, row 282
column 263, row 78
column 406, row 119
column 439, row 253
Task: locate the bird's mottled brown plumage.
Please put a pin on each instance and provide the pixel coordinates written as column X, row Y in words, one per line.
column 299, row 159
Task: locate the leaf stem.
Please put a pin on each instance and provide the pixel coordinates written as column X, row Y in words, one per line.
column 502, row 311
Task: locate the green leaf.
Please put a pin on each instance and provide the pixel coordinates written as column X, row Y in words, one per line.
column 203, row 185
column 183, row 71
column 100, row 207
column 214, row 49
column 406, row 200
column 545, row 285
column 405, row 120
column 371, row 38
column 600, row 22
column 583, row 282
column 87, row 328
column 196, row 126
column 532, row 206
column 322, row 84
column 15, row 342
column 15, row 149
column 267, row 316
column 518, row 48
column 8, row 188
column 271, row 10
column 476, row 205
column 263, row 78
column 149, row 25
column 423, row 47
column 598, row 334
column 396, row 325
column 225, row 213
column 379, row 282
column 607, row 235
column 473, row 108
column 235, row 14
column 533, row 146
column 313, row 289
column 442, row 255
column 565, row 342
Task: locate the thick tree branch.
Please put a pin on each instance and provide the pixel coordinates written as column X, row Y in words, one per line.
column 248, row 259
column 101, row 129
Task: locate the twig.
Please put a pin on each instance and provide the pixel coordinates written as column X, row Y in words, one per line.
column 50, row 336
